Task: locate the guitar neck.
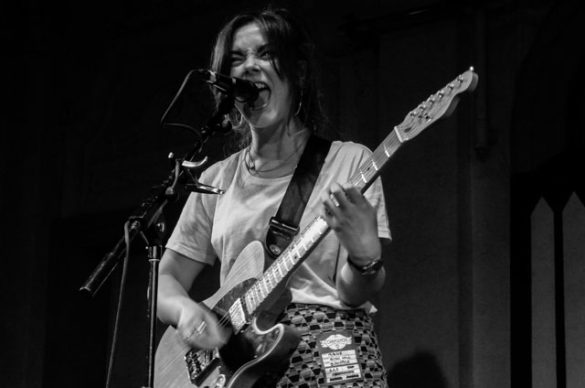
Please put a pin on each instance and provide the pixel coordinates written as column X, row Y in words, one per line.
column 307, row 240
column 371, row 168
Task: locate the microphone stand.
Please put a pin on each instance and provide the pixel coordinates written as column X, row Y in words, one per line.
column 146, row 221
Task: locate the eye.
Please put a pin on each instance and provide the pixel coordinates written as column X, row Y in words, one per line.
column 236, row 59
column 266, row 54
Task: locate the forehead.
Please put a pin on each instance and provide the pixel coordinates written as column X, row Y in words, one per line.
column 249, row 36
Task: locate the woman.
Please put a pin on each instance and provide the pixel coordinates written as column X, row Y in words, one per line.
column 334, row 284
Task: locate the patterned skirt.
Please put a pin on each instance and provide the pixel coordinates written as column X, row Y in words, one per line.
column 338, row 349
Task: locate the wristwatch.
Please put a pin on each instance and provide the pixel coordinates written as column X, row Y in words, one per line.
column 369, row 269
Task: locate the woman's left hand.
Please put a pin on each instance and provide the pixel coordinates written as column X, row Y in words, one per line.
column 354, row 220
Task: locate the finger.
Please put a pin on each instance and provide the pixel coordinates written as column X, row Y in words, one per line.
column 331, row 214
column 208, row 339
column 195, row 334
column 338, row 193
column 219, row 333
column 334, row 199
column 199, row 329
column 353, row 194
column 331, row 211
column 330, row 203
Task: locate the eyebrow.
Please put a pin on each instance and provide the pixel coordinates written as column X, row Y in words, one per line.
column 260, row 49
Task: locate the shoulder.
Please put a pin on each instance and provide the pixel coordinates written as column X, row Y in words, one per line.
column 348, row 150
column 349, row 147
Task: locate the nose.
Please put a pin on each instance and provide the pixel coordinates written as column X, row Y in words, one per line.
column 251, row 63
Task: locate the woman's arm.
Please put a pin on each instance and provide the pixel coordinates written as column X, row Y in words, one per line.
column 354, row 221
column 196, row 325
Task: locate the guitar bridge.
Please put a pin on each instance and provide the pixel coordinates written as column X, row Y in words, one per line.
column 200, row 364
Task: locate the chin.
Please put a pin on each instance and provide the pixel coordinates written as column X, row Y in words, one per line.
column 264, row 119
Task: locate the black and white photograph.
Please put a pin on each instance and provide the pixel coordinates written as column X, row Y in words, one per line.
column 293, row 194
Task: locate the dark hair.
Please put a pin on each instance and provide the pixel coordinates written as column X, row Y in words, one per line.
column 293, row 60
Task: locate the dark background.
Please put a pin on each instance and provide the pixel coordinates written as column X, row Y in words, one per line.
column 85, row 85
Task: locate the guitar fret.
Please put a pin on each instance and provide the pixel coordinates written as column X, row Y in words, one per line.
column 259, row 292
column 248, row 299
column 273, row 276
column 283, row 263
column 237, row 316
column 277, row 274
column 295, row 250
column 289, row 259
column 380, row 160
column 263, row 288
column 271, row 279
column 385, row 150
column 250, row 302
column 255, row 301
column 398, row 135
column 292, row 258
column 267, row 280
column 277, row 266
column 256, row 293
column 298, row 252
column 267, row 286
column 367, row 174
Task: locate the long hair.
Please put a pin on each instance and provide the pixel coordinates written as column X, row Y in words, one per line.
column 293, row 60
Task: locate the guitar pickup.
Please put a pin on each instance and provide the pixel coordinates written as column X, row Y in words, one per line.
column 200, row 364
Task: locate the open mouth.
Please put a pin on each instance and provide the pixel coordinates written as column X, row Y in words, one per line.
column 263, row 97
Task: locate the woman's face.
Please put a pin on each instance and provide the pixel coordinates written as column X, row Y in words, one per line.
column 251, row 59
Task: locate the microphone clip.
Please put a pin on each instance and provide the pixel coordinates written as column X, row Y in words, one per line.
column 240, row 89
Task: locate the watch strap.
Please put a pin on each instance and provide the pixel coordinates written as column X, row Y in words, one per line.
column 370, row 268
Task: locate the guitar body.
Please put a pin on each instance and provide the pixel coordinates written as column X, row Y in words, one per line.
column 255, row 353
column 248, row 355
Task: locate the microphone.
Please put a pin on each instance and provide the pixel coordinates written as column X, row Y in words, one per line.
column 240, row 89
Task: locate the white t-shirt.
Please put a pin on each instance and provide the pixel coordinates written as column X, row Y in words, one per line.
column 220, row 226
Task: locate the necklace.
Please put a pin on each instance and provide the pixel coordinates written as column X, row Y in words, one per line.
column 251, row 164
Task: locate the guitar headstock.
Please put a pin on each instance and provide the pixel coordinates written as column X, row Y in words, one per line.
column 440, row 104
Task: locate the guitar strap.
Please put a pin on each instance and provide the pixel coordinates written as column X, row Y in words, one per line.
column 285, row 224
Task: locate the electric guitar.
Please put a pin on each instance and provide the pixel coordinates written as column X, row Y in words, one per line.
column 252, row 352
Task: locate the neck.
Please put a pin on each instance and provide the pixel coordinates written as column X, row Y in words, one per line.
column 275, row 152
column 277, row 143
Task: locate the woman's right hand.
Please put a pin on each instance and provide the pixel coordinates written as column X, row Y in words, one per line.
column 199, row 328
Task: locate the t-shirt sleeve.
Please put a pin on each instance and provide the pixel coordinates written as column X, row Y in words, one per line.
column 375, row 195
column 192, row 234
